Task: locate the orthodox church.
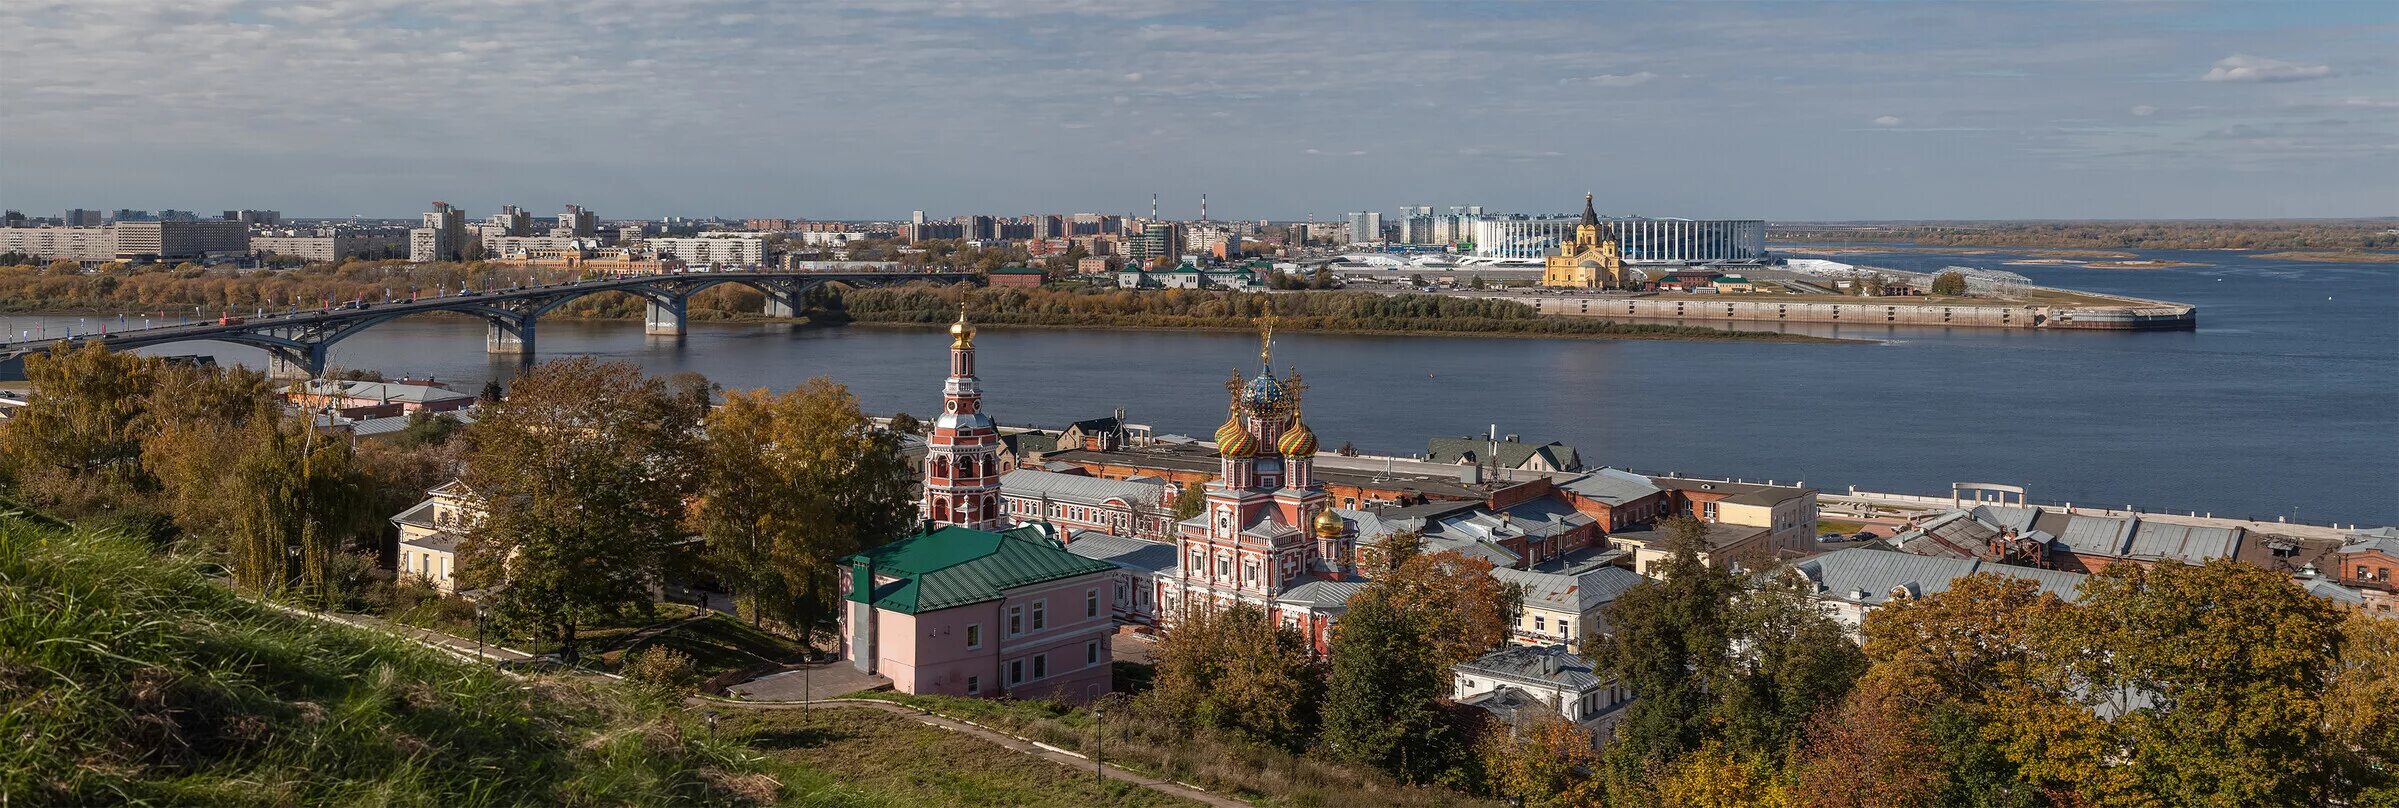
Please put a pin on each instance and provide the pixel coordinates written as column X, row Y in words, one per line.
column 1268, row 536
column 1591, row 261
column 962, row 457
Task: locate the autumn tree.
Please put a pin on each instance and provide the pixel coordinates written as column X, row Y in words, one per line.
column 1236, row 670
column 793, row 483
column 1872, row 751
column 1546, row 762
column 2361, row 708
column 1456, row 606
column 76, row 444
column 2232, row 662
column 1951, row 283
column 1712, row 776
column 582, row 473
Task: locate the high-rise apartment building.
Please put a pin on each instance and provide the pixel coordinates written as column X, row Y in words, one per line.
column 1152, row 241
column 181, row 239
column 260, row 218
column 510, row 221
column 1366, row 227
column 78, row 217
column 442, row 238
column 577, row 223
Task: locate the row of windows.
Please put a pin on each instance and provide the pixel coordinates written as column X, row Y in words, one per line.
column 1039, row 614
column 1040, row 669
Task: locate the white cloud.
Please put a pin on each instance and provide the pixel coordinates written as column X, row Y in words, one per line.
column 1889, row 120
column 2242, row 67
column 2144, row 111
column 1132, row 76
column 1613, row 80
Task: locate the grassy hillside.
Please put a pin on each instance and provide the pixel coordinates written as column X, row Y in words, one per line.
column 130, row 678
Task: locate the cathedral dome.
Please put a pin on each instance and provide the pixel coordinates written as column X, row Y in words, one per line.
column 1298, row 442
column 961, row 334
column 1234, row 441
column 1262, row 393
column 1329, row 524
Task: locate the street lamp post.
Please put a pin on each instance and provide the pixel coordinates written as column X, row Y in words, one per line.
column 479, row 635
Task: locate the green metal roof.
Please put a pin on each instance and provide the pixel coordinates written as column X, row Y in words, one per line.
column 1015, row 271
column 955, row 566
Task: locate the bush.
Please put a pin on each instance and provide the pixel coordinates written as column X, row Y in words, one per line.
column 661, row 669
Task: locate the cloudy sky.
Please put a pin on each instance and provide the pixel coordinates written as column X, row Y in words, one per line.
column 692, row 107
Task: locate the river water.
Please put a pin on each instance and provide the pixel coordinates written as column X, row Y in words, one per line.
column 2284, row 402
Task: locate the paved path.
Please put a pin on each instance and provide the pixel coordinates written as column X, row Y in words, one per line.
column 1072, row 760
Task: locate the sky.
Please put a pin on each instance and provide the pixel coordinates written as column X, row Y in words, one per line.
column 640, row 108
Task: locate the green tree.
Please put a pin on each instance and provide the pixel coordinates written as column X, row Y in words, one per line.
column 582, row 473
column 793, row 483
column 1238, row 671
column 427, row 429
column 1951, row 283
column 1189, row 502
column 1671, row 641
column 1793, row 662
column 1379, row 704
column 295, row 500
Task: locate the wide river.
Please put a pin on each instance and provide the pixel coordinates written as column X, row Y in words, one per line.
column 2285, row 401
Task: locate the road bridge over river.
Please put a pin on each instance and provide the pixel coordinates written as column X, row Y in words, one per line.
column 297, row 343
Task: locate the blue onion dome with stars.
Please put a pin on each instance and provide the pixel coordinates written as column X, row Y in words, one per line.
column 1264, row 393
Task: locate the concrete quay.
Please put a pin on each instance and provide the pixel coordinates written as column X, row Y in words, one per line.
column 2131, row 315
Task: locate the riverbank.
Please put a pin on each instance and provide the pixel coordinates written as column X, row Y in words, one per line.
column 1288, row 326
column 2332, row 257
column 1323, row 312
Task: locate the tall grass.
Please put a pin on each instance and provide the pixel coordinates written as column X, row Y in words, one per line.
column 128, row 678
column 1141, row 737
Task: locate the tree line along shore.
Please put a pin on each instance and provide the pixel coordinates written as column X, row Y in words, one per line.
column 2330, row 235
column 204, row 292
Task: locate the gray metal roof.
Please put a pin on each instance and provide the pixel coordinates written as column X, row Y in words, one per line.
column 1077, row 489
column 1867, row 576
column 1321, row 594
column 2189, row 544
column 2097, row 535
column 1571, row 593
column 1543, row 665
column 1155, row 557
column 2379, row 540
column 1612, row 486
column 2326, row 589
column 1720, row 535
column 383, row 391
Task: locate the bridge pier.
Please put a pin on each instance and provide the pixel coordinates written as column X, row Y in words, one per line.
column 306, row 362
column 779, row 307
column 511, row 336
column 665, row 318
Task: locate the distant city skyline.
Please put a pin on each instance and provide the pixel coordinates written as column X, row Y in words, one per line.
column 1793, row 112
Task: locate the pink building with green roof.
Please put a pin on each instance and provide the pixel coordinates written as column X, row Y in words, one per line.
column 963, row 612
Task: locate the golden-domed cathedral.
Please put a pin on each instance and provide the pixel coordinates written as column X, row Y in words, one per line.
column 1591, row 261
column 1268, row 529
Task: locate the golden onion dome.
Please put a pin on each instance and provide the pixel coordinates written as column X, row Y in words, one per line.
column 1234, row 441
column 1297, row 442
column 1329, row 524
column 961, row 334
